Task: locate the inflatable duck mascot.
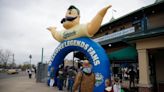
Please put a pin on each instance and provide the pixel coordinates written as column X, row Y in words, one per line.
column 73, row 28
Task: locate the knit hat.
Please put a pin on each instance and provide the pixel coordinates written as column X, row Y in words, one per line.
column 86, row 63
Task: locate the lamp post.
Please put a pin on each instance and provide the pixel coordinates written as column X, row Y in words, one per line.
column 13, row 64
column 42, row 55
column 30, row 60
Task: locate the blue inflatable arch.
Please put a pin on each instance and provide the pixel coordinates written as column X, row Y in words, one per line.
column 93, row 51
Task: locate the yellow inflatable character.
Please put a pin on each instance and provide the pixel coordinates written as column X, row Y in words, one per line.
column 73, row 28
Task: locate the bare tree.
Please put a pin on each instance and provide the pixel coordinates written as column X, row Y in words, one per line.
column 5, row 57
column 1, row 54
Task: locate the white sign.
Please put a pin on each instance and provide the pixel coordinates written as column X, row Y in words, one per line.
column 115, row 34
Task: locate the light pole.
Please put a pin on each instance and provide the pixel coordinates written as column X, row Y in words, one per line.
column 30, row 60
column 42, row 55
column 13, row 64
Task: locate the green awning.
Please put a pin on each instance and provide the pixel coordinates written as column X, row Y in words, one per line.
column 128, row 53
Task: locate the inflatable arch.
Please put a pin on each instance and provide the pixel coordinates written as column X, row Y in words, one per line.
column 93, row 51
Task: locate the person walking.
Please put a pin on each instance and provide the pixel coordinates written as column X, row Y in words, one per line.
column 71, row 78
column 29, row 73
column 60, row 79
column 85, row 79
column 132, row 75
column 52, row 75
column 65, row 73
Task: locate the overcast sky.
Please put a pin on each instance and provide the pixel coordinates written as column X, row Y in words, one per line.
column 23, row 23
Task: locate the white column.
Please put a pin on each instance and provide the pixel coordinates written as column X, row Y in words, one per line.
column 144, row 78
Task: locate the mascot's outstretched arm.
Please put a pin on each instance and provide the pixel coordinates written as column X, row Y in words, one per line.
column 95, row 23
column 55, row 34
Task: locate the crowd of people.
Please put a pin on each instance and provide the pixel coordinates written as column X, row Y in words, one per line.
column 64, row 77
column 83, row 79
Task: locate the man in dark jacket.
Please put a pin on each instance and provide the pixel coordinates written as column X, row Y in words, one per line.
column 132, row 75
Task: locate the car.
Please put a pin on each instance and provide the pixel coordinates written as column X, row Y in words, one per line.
column 12, row 71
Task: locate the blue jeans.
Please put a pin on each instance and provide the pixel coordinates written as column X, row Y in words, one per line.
column 70, row 84
column 56, row 80
column 60, row 83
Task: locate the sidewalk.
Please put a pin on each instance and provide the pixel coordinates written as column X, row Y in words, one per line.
column 24, row 84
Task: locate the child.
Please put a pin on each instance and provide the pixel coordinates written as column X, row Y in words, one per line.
column 116, row 86
column 108, row 86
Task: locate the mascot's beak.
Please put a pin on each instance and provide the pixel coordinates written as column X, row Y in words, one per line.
column 68, row 18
